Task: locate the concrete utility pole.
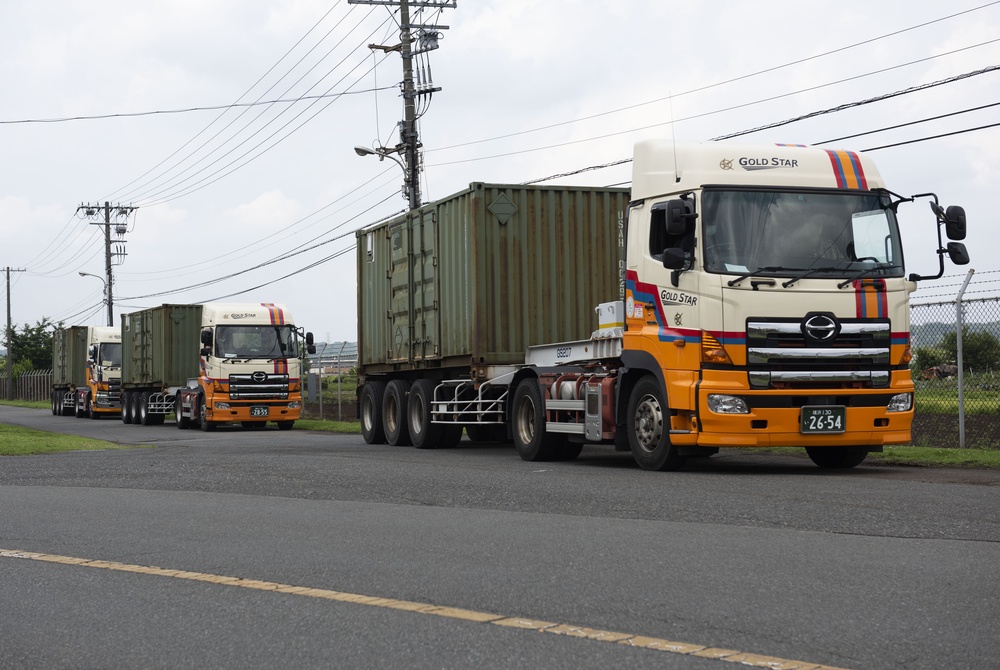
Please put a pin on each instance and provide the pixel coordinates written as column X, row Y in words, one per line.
column 121, row 212
column 409, row 140
column 8, row 341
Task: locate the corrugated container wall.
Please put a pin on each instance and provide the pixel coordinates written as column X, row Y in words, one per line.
column 160, row 346
column 69, row 356
column 477, row 277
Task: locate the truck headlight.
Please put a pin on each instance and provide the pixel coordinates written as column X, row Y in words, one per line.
column 901, row 402
column 294, row 405
column 727, row 404
column 222, row 405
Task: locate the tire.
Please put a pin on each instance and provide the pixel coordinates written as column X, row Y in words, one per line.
column 451, row 435
column 371, row 412
column 126, row 408
column 837, row 458
column 486, row 432
column 55, row 403
column 283, row 425
column 569, row 451
column 145, row 418
column 423, row 433
column 181, row 421
column 135, row 402
column 203, row 422
column 91, row 412
column 648, row 426
column 394, row 413
column 528, row 424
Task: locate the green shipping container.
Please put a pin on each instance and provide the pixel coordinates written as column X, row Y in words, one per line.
column 474, row 279
column 69, row 357
column 160, row 346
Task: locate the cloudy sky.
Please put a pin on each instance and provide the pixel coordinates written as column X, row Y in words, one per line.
column 230, row 126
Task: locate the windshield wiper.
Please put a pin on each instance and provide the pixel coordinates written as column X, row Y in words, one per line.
column 766, row 268
column 866, row 271
column 786, row 284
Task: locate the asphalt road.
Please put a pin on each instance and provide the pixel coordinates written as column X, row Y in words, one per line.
column 753, row 554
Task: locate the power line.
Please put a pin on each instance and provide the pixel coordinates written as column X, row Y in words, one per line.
column 720, row 83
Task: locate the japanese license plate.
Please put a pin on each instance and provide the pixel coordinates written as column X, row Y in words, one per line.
column 824, row 419
column 258, row 410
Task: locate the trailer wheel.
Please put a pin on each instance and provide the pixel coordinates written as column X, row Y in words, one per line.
column 528, row 424
column 394, row 413
column 371, row 412
column 203, row 422
column 143, row 412
column 838, row 458
column 135, row 402
column 423, row 433
column 648, row 424
column 126, row 408
column 182, row 422
column 486, row 432
column 55, row 405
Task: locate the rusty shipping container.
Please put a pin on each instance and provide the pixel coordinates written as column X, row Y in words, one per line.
column 472, row 280
column 69, row 357
column 160, row 346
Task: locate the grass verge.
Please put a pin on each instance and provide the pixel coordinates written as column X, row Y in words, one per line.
column 349, row 427
column 17, row 441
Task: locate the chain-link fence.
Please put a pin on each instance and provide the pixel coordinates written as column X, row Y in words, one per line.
column 934, row 336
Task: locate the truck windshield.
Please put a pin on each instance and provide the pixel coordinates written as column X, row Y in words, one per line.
column 788, row 233
column 110, row 354
column 255, row 341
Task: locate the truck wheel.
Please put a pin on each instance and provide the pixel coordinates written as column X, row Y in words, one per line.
column 569, row 451
column 126, row 408
column 371, row 412
column 285, row 425
column 425, row 435
column 135, row 402
column 144, row 417
column 182, row 422
column 451, row 435
column 839, row 458
column 394, row 413
column 528, row 424
column 485, row 432
column 648, row 424
column 203, row 422
column 91, row 412
column 52, row 398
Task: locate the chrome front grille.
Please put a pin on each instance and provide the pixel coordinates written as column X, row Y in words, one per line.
column 781, row 354
column 258, row 386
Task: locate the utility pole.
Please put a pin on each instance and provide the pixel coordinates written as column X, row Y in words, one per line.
column 427, row 37
column 9, row 340
column 120, row 212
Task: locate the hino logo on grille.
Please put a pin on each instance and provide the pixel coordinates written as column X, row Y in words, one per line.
column 259, row 376
column 820, row 327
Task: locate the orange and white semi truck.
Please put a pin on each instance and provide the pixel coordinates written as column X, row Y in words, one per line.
column 213, row 363
column 86, row 369
column 763, row 303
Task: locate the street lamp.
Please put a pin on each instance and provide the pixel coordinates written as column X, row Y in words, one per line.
column 111, row 321
column 411, row 193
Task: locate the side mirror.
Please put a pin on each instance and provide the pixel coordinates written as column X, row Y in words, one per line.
column 309, row 338
column 958, row 254
column 205, row 351
column 674, row 258
column 954, row 223
column 206, row 338
column 311, row 348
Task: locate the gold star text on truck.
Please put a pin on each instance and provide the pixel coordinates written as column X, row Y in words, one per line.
column 747, row 296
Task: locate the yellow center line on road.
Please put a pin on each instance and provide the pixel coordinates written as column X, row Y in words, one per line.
column 641, row 641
